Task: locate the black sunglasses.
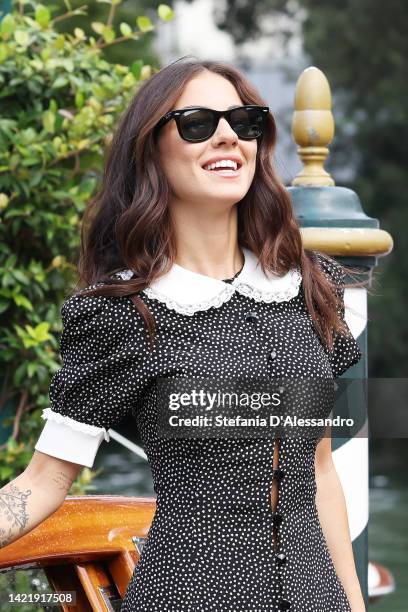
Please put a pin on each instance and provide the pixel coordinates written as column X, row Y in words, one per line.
column 199, row 123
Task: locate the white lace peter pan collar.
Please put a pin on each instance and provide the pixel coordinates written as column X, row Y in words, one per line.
column 187, row 292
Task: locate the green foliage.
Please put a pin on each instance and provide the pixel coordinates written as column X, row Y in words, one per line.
column 123, row 50
column 165, row 12
column 59, row 100
column 27, row 582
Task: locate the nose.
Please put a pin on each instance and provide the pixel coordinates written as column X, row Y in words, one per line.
column 225, row 132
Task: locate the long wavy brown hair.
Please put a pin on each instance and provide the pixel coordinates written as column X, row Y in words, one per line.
column 128, row 225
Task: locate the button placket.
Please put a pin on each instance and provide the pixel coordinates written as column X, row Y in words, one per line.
column 253, row 318
column 277, row 475
column 277, row 519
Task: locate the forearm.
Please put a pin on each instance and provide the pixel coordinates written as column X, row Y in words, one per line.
column 23, row 506
column 331, row 506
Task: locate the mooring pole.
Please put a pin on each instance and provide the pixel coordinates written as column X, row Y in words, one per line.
column 332, row 220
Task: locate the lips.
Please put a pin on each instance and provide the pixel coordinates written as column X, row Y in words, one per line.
column 224, row 172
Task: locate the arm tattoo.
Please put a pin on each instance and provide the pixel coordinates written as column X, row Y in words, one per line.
column 13, row 509
column 63, row 481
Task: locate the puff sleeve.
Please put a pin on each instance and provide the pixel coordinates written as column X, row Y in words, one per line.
column 104, row 375
column 346, row 351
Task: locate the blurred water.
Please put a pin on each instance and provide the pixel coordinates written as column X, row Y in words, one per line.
column 123, row 472
column 387, row 529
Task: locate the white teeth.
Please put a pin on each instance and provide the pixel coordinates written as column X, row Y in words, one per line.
column 223, row 163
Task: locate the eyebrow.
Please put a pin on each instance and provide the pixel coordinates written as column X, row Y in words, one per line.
column 195, row 106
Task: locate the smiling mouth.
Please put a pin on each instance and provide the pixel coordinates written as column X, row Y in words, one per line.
column 225, row 172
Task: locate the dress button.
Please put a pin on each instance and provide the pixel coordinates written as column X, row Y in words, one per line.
column 251, row 317
column 277, row 518
column 280, row 558
column 272, row 354
column 284, row 604
column 278, row 474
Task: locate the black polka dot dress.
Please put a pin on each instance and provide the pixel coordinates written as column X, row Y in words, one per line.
column 215, row 543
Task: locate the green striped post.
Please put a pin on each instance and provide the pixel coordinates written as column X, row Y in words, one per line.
column 332, row 220
column 350, row 455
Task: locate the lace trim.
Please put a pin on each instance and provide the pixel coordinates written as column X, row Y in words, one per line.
column 259, row 295
column 282, row 295
column 91, row 430
column 189, row 309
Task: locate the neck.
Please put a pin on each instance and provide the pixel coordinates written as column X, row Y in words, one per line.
column 208, row 244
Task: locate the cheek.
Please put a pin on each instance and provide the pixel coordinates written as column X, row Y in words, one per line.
column 250, row 154
column 178, row 158
column 252, row 150
column 172, row 158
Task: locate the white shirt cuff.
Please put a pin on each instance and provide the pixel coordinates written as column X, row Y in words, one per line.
column 60, row 440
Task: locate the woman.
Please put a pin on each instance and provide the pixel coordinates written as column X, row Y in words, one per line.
column 194, row 266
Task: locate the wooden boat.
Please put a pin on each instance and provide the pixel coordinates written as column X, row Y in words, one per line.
column 92, row 543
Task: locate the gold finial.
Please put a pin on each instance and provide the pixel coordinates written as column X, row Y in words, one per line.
column 313, row 127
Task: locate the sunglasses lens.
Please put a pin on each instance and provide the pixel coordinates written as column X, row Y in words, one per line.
column 196, row 125
column 248, row 123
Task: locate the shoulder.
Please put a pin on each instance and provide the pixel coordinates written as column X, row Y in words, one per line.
column 78, row 306
column 97, row 327
column 85, row 312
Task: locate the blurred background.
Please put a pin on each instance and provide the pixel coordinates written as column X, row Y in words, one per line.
column 362, row 47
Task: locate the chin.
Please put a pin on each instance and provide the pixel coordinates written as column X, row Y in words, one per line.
column 227, row 200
